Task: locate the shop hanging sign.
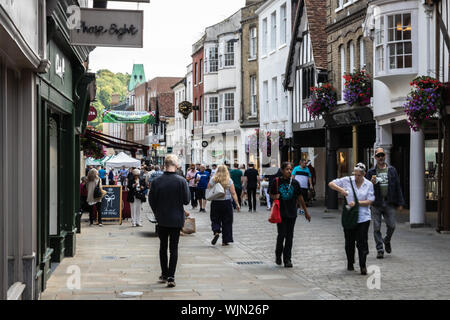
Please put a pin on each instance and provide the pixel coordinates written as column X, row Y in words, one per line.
column 92, row 114
column 140, row 117
column 109, row 28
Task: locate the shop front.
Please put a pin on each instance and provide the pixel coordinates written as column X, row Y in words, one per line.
column 350, row 138
column 64, row 95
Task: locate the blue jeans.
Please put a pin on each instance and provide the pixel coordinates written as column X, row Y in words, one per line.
column 388, row 213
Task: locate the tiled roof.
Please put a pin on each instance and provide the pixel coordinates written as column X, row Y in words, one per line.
column 316, row 12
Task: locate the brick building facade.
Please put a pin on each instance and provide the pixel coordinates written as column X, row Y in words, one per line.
column 197, row 97
column 249, row 116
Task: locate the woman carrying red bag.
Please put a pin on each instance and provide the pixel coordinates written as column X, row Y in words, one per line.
column 287, row 191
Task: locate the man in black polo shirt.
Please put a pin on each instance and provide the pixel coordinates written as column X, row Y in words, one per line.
column 252, row 178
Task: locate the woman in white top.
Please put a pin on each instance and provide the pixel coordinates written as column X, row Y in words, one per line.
column 365, row 194
column 92, row 181
column 222, row 210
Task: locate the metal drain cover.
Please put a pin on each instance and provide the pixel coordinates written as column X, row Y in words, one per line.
column 249, row 262
column 130, row 294
column 109, row 258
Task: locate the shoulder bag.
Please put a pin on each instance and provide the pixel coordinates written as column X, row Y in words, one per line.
column 217, row 192
column 275, row 216
column 350, row 215
column 97, row 192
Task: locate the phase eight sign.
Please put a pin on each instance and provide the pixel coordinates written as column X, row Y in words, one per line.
column 109, row 28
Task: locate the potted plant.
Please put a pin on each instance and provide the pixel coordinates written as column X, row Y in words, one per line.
column 358, row 88
column 323, row 99
column 423, row 101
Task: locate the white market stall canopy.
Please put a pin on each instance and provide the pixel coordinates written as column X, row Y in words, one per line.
column 122, row 159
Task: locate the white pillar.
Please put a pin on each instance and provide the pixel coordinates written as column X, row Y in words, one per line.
column 417, row 179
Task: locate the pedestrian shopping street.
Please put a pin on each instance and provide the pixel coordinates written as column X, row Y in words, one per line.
column 117, row 259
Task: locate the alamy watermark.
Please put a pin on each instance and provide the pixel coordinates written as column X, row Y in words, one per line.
column 74, row 19
column 74, row 280
column 374, row 281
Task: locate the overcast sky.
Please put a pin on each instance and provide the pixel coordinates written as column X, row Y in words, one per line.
column 171, row 27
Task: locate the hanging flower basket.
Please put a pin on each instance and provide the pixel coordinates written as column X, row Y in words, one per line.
column 324, row 98
column 92, row 149
column 358, row 88
column 424, row 100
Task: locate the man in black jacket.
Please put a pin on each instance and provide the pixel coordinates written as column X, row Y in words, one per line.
column 388, row 198
column 168, row 194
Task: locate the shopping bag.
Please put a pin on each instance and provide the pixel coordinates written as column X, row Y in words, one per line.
column 275, row 216
column 189, row 226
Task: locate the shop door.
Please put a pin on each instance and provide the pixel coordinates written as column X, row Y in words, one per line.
column 53, row 158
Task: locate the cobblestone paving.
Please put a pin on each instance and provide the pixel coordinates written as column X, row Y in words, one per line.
column 117, row 259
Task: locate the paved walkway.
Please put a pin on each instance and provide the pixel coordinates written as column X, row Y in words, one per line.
column 117, row 259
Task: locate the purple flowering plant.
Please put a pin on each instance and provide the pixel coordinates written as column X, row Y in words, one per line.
column 323, row 99
column 423, row 101
column 358, row 88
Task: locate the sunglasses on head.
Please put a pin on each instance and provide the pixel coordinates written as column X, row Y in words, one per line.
column 379, row 155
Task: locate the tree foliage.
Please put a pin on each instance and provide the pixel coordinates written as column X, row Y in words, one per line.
column 108, row 83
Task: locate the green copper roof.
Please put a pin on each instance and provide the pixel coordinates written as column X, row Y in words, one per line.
column 137, row 77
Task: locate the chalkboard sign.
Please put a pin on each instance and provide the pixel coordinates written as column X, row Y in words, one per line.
column 112, row 203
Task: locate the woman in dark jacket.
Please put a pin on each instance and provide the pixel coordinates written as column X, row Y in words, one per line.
column 287, row 190
column 136, row 196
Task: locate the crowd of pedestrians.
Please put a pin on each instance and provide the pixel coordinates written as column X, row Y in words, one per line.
column 369, row 195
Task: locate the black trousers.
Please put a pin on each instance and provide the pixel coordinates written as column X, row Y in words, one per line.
column 99, row 213
column 168, row 266
column 285, row 237
column 193, row 191
column 304, row 193
column 222, row 219
column 238, row 194
column 251, row 192
column 358, row 236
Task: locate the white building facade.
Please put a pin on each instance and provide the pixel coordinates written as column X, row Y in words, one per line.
column 404, row 48
column 275, row 103
column 222, row 93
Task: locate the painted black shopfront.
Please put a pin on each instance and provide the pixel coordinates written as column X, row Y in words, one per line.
column 339, row 135
column 64, row 94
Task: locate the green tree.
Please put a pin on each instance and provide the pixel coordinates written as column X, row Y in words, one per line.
column 108, row 83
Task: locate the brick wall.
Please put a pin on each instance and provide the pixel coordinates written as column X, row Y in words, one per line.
column 249, row 68
column 342, row 28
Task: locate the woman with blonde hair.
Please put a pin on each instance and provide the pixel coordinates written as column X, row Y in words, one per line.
column 222, row 209
column 93, row 180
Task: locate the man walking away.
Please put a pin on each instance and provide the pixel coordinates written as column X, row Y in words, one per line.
column 236, row 176
column 102, row 175
column 123, row 177
column 252, row 179
column 202, row 178
column 303, row 176
column 190, row 177
column 168, row 195
column 213, row 170
column 388, row 197
column 156, row 174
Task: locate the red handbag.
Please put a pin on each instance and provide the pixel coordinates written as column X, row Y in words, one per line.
column 275, row 216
